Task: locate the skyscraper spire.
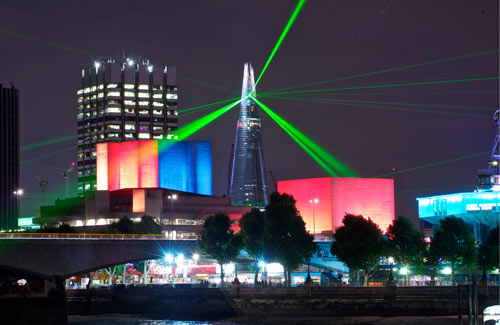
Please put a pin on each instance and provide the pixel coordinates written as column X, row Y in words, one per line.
column 248, row 178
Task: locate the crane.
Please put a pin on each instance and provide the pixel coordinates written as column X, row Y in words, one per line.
column 43, row 184
column 66, row 174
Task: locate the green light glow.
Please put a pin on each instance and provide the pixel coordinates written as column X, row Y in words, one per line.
column 396, row 103
column 394, row 69
column 318, row 154
column 383, row 86
column 46, row 155
column 289, row 24
column 48, row 142
column 341, row 102
column 201, row 107
column 209, row 85
column 193, row 127
column 44, row 166
column 484, row 153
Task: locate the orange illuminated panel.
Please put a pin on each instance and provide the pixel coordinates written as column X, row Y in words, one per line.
column 128, row 165
column 148, row 163
column 102, row 166
column 113, row 166
column 139, row 200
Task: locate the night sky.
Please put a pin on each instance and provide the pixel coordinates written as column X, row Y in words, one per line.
column 210, row 40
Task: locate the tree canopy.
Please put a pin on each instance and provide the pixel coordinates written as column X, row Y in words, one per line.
column 359, row 244
column 453, row 244
column 489, row 250
column 217, row 240
column 147, row 225
column 406, row 244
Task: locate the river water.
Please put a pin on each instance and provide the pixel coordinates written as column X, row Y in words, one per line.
column 130, row 320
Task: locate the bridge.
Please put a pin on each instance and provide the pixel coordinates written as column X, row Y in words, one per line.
column 65, row 255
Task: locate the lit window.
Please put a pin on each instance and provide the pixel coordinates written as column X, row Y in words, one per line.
column 93, row 88
column 113, row 135
column 100, row 95
column 143, row 95
column 128, row 86
column 129, row 94
column 159, row 137
column 113, row 93
column 87, row 187
column 158, row 96
column 144, row 112
column 113, row 110
column 157, row 112
column 79, row 92
column 143, row 103
column 143, row 128
column 109, row 86
column 129, row 127
column 171, row 96
column 157, row 128
column 143, row 135
column 113, row 127
column 129, row 102
column 157, row 87
column 79, row 99
column 80, row 115
column 129, row 135
column 157, row 104
column 86, row 90
column 175, row 113
column 101, row 86
column 129, row 110
column 144, row 87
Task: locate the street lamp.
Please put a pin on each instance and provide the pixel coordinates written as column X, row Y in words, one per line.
column 18, row 193
column 172, row 198
column 313, row 202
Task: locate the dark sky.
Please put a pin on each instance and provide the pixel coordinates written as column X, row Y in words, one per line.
column 210, row 40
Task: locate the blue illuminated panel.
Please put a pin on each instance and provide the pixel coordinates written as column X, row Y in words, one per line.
column 185, row 166
column 459, row 203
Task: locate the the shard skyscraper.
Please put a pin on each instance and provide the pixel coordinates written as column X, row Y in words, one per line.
column 248, row 178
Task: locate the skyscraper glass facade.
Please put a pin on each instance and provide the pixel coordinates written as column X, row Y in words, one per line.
column 248, row 178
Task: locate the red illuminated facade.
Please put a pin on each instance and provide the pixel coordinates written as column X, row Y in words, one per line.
column 323, row 202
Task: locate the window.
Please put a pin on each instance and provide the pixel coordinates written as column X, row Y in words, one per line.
column 100, row 95
column 144, row 87
column 157, row 112
column 144, row 112
column 129, row 127
column 79, row 92
column 157, row 104
column 113, row 110
column 143, row 135
column 158, row 137
column 158, row 96
column 129, row 102
column 143, row 95
column 110, row 86
column 157, row 128
column 129, row 94
column 143, row 128
column 113, row 135
column 114, row 127
column 143, row 103
column 157, row 87
column 129, row 110
column 129, row 135
column 171, row 96
column 128, row 86
column 113, row 93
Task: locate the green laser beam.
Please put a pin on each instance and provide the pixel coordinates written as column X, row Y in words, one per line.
column 432, row 189
column 382, row 86
column 325, row 156
column 208, row 84
column 475, row 92
column 435, row 164
column 394, row 69
column 44, row 166
column 209, row 104
column 399, row 103
column 377, row 107
column 47, row 142
column 189, row 129
column 46, row 155
column 289, row 24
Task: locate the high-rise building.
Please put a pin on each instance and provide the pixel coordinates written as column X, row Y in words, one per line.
column 248, row 178
column 9, row 158
column 122, row 101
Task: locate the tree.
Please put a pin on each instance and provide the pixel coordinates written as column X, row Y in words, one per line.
column 453, row 244
column 254, row 238
column 112, row 270
column 359, row 244
column 217, row 240
column 62, row 229
column 123, row 226
column 406, row 244
column 288, row 241
column 147, row 225
column 489, row 251
column 145, row 267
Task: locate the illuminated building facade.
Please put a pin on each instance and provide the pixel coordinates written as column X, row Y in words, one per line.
column 122, row 101
column 9, row 157
column 323, row 202
column 176, row 165
column 248, row 177
column 480, row 209
column 181, row 218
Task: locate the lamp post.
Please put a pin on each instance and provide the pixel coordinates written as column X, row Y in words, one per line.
column 18, row 194
column 313, row 202
column 172, row 198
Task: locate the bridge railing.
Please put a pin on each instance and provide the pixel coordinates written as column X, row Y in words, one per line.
column 76, row 236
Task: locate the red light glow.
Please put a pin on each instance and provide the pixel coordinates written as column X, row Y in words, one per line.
column 370, row 197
